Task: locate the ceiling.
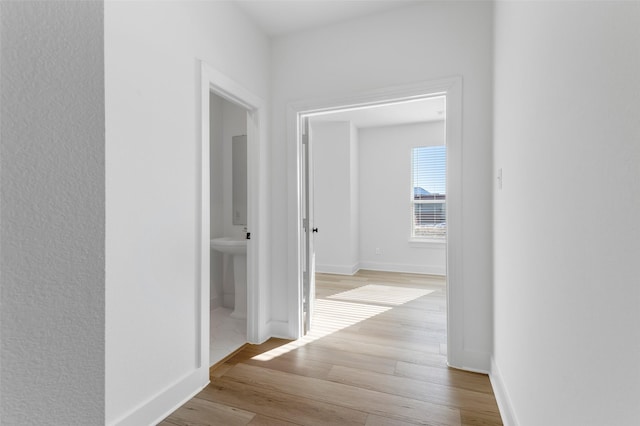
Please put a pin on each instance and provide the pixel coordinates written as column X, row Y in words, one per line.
column 279, row 17
column 408, row 112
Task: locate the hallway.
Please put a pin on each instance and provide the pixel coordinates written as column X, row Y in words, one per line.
column 376, row 356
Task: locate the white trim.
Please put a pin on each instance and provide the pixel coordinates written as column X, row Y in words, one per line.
column 406, row 268
column 222, row 85
column 204, row 293
column 502, row 396
column 455, row 283
column 294, row 239
column 452, row 88
column 426, row 243
column 182, row 390
column 338, row 269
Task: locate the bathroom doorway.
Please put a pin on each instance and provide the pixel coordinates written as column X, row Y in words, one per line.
column 232, row 138
column 228, row 223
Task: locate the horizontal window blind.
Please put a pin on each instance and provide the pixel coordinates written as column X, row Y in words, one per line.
column 428, row 203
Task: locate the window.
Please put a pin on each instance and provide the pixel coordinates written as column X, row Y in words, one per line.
column 428, row 202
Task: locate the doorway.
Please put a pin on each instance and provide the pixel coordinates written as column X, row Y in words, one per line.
column 249, row 111
column 228, row 222
column 304, row 270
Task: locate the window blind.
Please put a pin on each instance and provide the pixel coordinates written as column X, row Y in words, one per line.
column 428, row 203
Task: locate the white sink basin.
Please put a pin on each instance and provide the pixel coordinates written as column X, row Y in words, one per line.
column 229, row 245
column 237, row 248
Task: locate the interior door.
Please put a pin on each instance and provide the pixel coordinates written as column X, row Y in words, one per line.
column 309, row 261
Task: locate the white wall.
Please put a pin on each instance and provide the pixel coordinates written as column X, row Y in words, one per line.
column 336, row 197
column 408, row 45
column 567, row 236
column 361, row 198
column 52, row 213
column 152, row 195
column 385, row 188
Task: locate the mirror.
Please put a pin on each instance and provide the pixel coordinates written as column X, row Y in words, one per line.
column 239, row 179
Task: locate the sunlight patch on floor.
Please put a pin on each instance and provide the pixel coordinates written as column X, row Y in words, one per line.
column 330, row 316
column 340, row 311
column 383, row 294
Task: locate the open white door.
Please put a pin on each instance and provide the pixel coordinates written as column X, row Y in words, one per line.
column 309, row 259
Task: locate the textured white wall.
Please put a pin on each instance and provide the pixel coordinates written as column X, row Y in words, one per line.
column 152, row 77
column 52, row 213
column 385, row 219
column 567, row 235
column 409, row 45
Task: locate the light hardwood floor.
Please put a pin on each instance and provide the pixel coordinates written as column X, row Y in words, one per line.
column 376, row 356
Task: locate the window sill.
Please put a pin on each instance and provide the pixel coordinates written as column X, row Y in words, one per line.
column 427, row 243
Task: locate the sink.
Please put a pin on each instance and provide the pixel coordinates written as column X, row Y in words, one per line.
column 237, row 248
column 229, row 245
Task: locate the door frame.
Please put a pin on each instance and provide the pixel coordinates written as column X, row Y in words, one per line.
column 213, row 81
column 307, row 216
column 451, row 87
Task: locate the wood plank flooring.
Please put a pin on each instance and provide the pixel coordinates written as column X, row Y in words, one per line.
column 376, row 356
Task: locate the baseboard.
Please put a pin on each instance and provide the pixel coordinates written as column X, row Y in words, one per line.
column 411, row 269
column 502, row 396
column 338, row 269
column 220, row 363
column 154, row 410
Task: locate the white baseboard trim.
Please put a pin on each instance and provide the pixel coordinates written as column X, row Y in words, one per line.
column 411, row 269
column 338, row 269
column 502, row 396
column 154, row 409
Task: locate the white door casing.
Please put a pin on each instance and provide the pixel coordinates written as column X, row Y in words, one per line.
column 213, row 81
column 308, row 225
column 450, row 87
